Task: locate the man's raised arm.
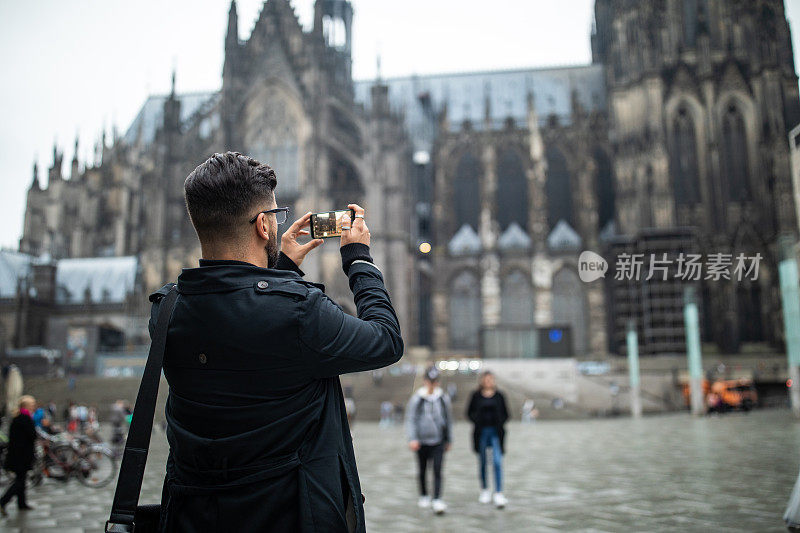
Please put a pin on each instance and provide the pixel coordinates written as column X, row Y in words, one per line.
column 340, row 343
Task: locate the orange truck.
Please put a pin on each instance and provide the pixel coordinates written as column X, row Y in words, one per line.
column 735, row 394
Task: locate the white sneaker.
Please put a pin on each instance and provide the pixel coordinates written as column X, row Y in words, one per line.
column 424, row 502
column 499, row 500
column 486, row 496
column 439, row 507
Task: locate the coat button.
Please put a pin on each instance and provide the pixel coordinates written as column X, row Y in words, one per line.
column 203, row 358
column 262, row 284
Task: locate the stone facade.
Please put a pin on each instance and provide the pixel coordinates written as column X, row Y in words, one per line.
column 701, row 97
column 481, row 189
column 287, row 99
column 511, row 214
column 72, row 310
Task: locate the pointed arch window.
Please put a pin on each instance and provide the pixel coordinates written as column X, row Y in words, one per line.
column 683, row 159
column 512, row 191
column 465, row 311
column 345, row 184
column 516, row 299
column 736, row 164
column 467, row 192
column 559, row 193
column 690, row 22
column 568, row 306
column 604, row 185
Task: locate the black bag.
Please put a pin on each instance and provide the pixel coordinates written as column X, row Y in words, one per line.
column 126, row 514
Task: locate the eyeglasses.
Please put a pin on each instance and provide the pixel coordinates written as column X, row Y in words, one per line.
column 280, row 214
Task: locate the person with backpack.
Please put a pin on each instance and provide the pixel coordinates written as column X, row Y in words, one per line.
column 429, row 428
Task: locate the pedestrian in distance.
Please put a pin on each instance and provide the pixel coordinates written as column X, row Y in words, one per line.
column 429, row 429
column 528, row 410
column 72, row 425
column 39, row 415
column 452, row 390
column 118, row 427
column 256, row 420
column 51, row 410
column 68, row 411
column 488, row 411
column 387, row 409
column 20, row 453
column 83, row 418
column 350, row 405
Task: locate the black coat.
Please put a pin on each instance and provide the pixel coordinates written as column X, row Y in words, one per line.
column 21, row 442
column 259, row 439
column 501, row 415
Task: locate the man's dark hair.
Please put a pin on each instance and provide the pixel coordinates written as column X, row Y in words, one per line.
column 225, row 191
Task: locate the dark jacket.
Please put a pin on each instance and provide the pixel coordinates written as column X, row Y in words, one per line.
column 498, row 404
column 21, row 441
column 259, row 439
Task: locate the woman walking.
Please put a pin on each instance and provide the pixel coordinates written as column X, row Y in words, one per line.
column 487, row 410
column 20, row 454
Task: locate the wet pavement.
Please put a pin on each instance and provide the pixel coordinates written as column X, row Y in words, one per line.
column 664, row 473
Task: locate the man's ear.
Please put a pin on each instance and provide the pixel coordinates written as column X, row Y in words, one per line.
column 262, row 226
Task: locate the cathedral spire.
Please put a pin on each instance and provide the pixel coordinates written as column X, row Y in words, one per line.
column 55, row 170
column 35, row 183
column 232, row 52
column 318, row 18
column 74, row 170
column 339, row 33
column 172, row 109
column 232, row 37
column 103, row 145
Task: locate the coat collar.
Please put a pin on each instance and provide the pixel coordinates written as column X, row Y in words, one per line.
column 227, row 276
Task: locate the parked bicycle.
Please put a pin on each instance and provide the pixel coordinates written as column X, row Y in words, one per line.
column 63, row 456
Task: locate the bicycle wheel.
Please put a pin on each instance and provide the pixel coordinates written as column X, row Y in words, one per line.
column 5, row 477
column 60, row 461
column 96, row 468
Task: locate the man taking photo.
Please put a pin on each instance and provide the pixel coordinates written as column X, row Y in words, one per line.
column 257, row 429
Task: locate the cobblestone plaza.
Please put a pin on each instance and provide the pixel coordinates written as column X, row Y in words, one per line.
column 665, row 473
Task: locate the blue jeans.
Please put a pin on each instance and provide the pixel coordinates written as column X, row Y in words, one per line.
column 490, row 438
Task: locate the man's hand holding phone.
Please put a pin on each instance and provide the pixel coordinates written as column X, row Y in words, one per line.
column 289, row 245
column 354, row 230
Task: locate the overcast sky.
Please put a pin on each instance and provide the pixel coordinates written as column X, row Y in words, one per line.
column 75, row 67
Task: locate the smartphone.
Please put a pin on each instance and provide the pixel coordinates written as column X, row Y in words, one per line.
column 324, row 225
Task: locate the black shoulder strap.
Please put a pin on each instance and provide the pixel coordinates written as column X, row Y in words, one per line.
column 420, row 406
column 444, row 406
column 131, row 472
column 446, row 418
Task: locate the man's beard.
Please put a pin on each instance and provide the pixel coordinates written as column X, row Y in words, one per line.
column 272, row 251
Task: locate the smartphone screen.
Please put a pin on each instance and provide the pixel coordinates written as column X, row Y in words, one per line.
column 324, row 225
